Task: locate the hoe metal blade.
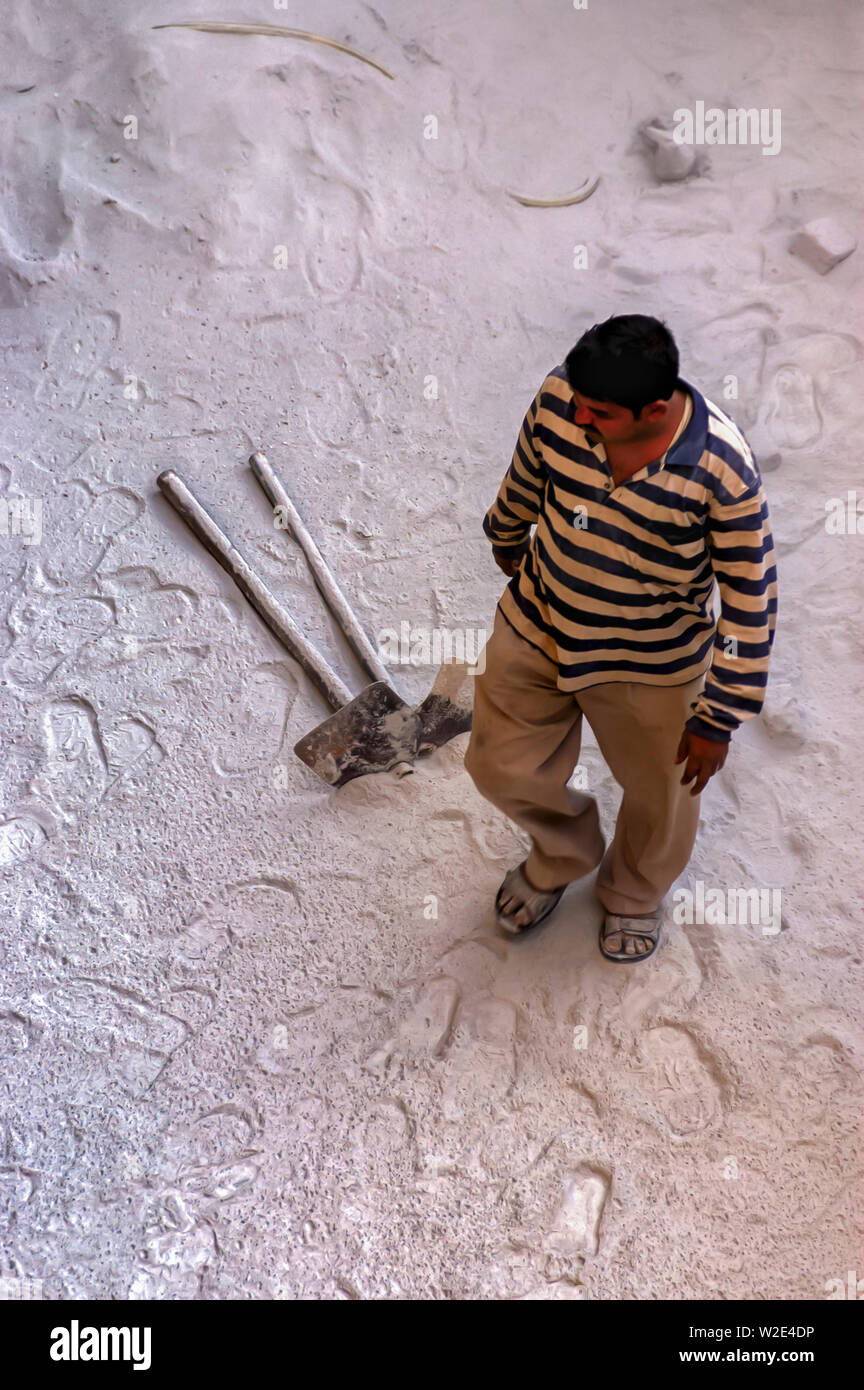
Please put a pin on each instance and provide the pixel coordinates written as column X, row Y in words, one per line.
column 372, row 733
column 448, row 708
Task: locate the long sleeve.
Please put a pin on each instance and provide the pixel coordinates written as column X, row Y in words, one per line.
column 517, row 506
column 743, row 561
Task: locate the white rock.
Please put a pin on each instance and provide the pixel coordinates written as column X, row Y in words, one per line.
column 670, row 161
column 823, row 243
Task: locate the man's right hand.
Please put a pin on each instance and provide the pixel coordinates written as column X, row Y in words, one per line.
column 509, row 557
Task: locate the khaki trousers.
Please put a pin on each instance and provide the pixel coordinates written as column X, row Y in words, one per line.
column 525, row 744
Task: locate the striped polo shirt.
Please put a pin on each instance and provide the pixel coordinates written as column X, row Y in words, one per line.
column 618, row 582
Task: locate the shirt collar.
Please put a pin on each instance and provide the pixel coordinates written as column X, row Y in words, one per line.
column 692, row 443
column 690, row 446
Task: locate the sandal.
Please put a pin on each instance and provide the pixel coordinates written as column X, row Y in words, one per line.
column 630, row 926
column 538, row 903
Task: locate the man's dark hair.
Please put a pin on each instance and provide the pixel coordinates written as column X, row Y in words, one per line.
column 630, row 360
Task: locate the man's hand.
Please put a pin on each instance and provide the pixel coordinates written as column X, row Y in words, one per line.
column 705, row 756
column 509, row 557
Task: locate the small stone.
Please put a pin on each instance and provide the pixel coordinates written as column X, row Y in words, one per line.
column 379, row 1060
column 670, row 162
column 783, row 714
column 769, row 460
column 823, row 243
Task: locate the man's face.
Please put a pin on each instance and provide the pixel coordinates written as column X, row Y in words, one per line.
column 603, row 420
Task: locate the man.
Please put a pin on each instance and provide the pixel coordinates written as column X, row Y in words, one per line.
column 642, row 493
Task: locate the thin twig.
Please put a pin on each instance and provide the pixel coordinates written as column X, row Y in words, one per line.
column 578, row 197
column 212, row 26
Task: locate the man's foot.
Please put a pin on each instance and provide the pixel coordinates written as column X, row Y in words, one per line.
column 630, row 938
column 520, row 905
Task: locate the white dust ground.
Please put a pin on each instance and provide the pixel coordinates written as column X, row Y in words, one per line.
column 239, row 1061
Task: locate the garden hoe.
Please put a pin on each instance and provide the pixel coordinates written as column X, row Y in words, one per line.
column 375, row 731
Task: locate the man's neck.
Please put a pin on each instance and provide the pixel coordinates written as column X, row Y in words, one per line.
column 664, row 437
column 654, row 445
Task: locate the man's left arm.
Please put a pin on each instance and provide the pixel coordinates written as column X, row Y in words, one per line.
column 741, row 547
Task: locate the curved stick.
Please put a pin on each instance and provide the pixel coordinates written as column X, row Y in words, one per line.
column 567, row 201
column 218, row 26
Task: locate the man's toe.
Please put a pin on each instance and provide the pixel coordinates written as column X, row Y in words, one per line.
column 509, row 905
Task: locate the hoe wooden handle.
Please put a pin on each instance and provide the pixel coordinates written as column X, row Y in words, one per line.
column 321, row 573
column 279, row 621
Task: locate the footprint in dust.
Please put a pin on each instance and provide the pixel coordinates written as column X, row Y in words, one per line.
column 425, row 1033
column 36, row 221
column 78, row 358
column 49, row 631
column 129, row 745
column 160, row 631
column 792, row 416
column 575, row 1230
column 331, row 235
column 105, row 1008
column 216, row 1139
column 177, row 1247
column 89, row 533
column 75, row 774
column 384, row 1148
column 677, row 977
column 84, row 762
column 20, row 837
column 678, row 1082
column 258, row 719
column 135, row 1039
column 199, row 946
column 482, row 1071
column 216, row 1157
